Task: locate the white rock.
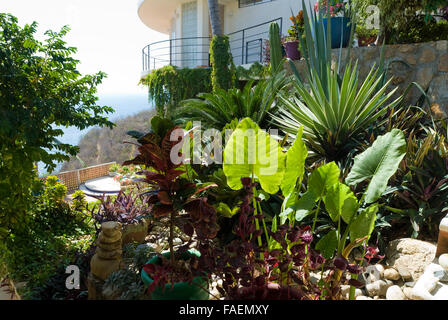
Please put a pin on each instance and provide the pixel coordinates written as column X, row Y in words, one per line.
column 380, row 268
column 410, row 257
column 391, row 274
column 363, row 298
column 407, row 292
column 428, row 286
column 373, row 273
column 395, row 293
column 443, row 261
column 378, row 288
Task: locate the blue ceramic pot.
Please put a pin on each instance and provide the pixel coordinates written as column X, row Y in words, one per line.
column 340, row 31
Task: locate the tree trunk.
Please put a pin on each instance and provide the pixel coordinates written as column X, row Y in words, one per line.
column 215, row 21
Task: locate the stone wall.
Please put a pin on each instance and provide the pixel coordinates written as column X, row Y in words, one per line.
column 424, row 63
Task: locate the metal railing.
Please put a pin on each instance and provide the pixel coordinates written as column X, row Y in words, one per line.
column 248, row 3
column 246, row 45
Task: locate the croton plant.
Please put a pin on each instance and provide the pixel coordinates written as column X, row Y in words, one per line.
column 171, row 195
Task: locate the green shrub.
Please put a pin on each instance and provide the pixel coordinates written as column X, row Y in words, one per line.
column 54, row 230
column 223, row 69
column 169, row 85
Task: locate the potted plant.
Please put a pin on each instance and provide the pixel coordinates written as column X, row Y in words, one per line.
column 338, row 13
column 366, row 36
column 177, row 202
column 132, row 211
column 292, row 41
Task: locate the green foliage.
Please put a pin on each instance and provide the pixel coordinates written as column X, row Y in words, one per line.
column 408, row 21
column 341, row 204
column 378, row 164
column 223, row 69
column 263, row 157
column 275, row 46
column 255, row 72
column 333, row 119
column 169, row 85
column 39, row 87
column 53, row 232
column 216, row 110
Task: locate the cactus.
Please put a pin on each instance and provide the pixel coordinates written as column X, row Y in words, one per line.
column 275, row 48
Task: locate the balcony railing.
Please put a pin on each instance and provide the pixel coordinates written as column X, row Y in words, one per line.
column 246, row 45
column 248, row 3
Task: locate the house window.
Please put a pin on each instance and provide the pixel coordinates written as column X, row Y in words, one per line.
column 189, row 34
column 248, row 3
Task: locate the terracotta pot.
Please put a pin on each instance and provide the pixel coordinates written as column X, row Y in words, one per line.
column 365, row 41
column 135, row 232
column 292, row 50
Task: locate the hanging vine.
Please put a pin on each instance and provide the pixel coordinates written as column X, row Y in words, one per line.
column 169, row 85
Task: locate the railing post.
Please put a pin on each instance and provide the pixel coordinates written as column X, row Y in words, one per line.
column 242, row 49
column 171, row 52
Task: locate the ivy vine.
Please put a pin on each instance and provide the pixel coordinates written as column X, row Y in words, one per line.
column 223, row 69
column 169, row 85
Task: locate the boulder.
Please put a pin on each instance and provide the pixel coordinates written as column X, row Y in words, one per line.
column 410, row 257
column 391, row 274
column 395, row 293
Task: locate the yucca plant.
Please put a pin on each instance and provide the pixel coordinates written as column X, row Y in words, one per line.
column 221, row 107
column 332, row 122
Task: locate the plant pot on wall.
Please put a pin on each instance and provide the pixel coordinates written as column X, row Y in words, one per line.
column 180, row 290
column 340, row 31
column 135, row 232
column 292, row 50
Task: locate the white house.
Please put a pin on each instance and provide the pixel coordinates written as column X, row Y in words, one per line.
column 186, row 22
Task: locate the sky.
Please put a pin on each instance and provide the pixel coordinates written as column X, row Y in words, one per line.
column 108, row 34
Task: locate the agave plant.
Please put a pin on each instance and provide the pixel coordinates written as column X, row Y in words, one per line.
column 332, row 124
column 216, row 109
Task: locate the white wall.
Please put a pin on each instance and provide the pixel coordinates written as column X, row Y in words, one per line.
column 240, row 18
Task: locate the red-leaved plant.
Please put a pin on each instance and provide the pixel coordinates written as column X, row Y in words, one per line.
column 173, row 196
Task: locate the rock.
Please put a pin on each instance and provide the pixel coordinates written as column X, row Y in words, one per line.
column 177, row 241
column 373, row 273
column 395, row 293
column 110, row 228
column 407, row 291
column 378, row 288
column 108, row 254
column 363, row 298
column 428, row 55
column 345, row 291
column 443, row 63
column 391, row 274
column 103, row 268
column 428, row 287
column 443, row 261
column 410, row 257
column 424, row 76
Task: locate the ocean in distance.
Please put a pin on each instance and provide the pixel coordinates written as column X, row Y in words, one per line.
column 124, row 106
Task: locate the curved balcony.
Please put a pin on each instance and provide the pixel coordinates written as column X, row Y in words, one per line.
column 190, row 52
column 247, row 46
column 156, row 14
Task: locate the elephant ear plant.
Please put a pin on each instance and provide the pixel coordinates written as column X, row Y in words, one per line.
column 376, row 165
column 173, row 197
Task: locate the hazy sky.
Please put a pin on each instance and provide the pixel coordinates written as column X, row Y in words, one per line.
column 108, row 34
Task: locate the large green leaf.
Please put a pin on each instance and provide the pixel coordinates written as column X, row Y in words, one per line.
column 251, row 152
column 323, row 178
column 378, row 163
column 328, row 244
column 340, row 201
column 364, row 223
column 295, row 164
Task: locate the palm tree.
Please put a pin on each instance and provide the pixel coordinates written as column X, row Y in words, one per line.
column 215, row 22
